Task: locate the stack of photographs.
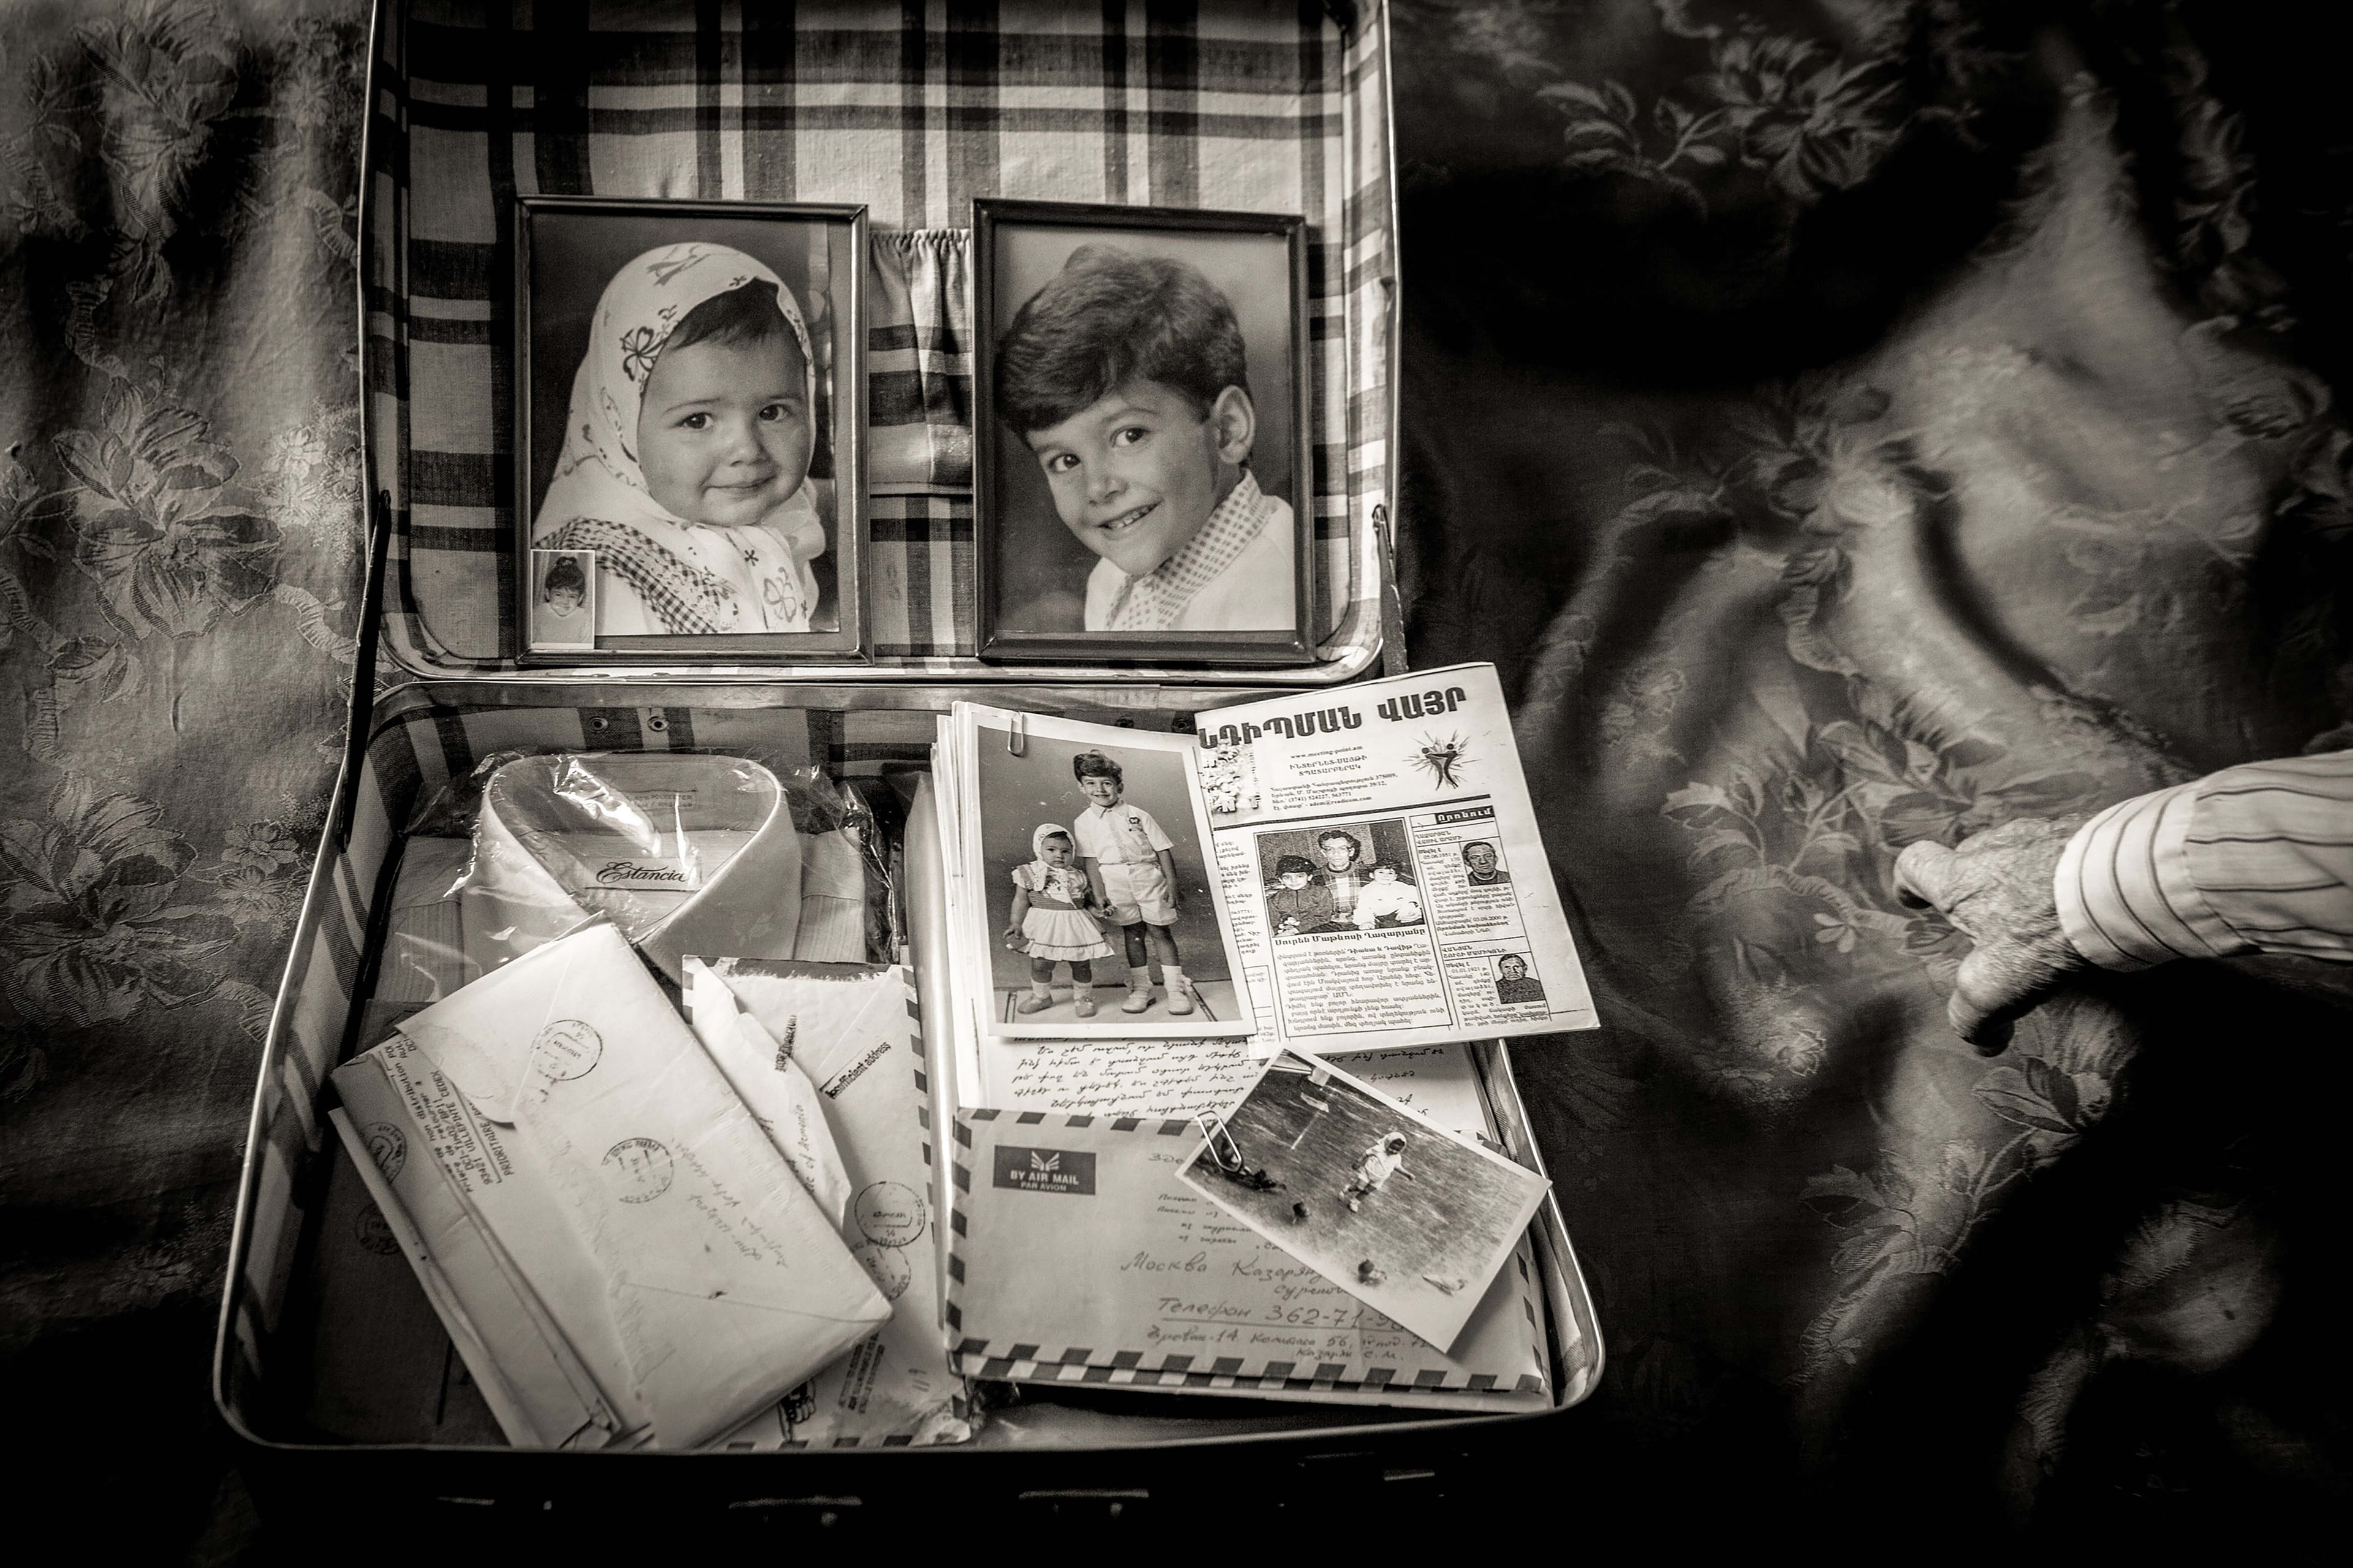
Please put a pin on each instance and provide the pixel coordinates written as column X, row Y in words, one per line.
column 1182, row 975
column 1082, row 902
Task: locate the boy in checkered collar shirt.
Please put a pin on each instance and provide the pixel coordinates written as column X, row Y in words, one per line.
column 1127, row 377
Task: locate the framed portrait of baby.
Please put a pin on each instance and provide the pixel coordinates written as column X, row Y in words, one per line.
column 1142, row 488
column 691, row 409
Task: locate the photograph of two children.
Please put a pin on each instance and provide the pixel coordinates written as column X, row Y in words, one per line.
column 691, row 404
column 1093, row 858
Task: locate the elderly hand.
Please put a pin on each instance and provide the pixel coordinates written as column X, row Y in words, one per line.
column 1996, row 886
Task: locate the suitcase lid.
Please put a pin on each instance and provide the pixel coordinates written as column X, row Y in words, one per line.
column 1239, row 107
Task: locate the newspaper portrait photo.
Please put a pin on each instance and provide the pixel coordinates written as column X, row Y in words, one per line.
column 1357, row 877
column 1513, row 984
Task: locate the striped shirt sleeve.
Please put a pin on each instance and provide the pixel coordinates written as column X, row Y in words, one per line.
column 2252, row 859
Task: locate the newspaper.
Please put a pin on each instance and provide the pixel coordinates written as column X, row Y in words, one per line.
column 1381, row 864
column 1355, row 870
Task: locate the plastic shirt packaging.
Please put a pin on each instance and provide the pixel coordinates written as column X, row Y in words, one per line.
column 681, row 851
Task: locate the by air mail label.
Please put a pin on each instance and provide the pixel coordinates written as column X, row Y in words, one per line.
column 1070, row 1171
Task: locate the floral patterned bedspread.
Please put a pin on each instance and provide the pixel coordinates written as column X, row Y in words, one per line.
column 1856, row 424
column 179, row 582
column 1845, row 424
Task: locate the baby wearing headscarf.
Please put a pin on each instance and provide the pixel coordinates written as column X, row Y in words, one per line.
column 1050, row 896
column 686, row 455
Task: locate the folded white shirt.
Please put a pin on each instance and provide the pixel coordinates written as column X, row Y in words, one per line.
column 684, row 853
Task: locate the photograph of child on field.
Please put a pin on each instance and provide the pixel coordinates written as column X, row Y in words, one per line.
column 1105, row 919
column 1143, row 394
column 1411, row 1219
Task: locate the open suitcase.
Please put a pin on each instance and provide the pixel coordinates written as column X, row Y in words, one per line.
column 913, row 110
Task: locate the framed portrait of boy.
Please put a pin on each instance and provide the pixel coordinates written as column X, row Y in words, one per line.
column 1143, row 489
column 691, row 412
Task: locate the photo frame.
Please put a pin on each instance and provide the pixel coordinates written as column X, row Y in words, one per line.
column 708, row 548
column 1199, row 576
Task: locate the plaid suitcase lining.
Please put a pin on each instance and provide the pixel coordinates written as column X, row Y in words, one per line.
column 1255, row 107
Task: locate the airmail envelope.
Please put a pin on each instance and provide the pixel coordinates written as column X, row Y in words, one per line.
column 846, row 1038
column 1079, row 1257
column 717, row 1278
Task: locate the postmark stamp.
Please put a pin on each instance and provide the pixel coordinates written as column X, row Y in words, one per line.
column 891, row 1214
column 387, row 1148
column 886, row 1265
column 373, row 1233
column 642, row 1168
column 566, row 1049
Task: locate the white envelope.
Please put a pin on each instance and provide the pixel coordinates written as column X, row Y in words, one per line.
column 772, row 1085
column 719, row 1282
column 855, row 1030
column 537, row 1384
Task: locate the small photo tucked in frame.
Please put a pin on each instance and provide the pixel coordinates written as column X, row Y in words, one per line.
column 691, row 406
column 564, row 601
column 1142, row 486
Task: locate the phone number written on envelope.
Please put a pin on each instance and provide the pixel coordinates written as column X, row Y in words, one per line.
column 1276, row 1305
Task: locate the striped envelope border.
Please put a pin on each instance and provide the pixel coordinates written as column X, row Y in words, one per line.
column 1014, row 1361
column 960, row 1403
